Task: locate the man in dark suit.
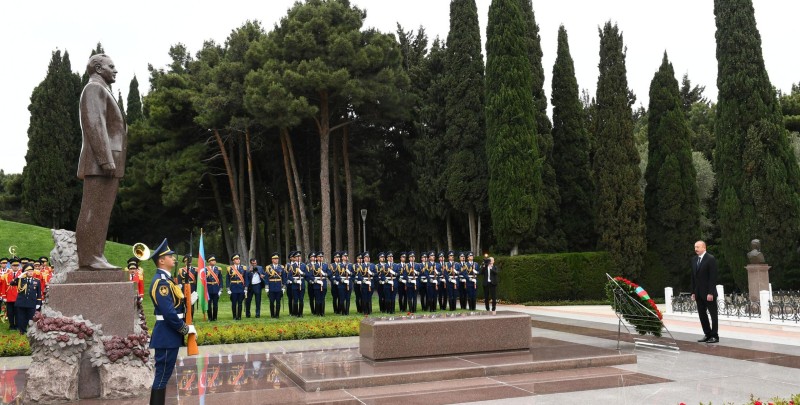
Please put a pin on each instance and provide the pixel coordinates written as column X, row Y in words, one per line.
column 704, row 291
column 489, row 272
column 102, row 161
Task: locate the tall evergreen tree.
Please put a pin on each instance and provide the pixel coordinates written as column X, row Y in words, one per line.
column 571, row 153
column 670, row 197
column 620, row 203
column 549, row 229
column 466, row 129
column 121, row 105
column 758, row 176
column 51, row 190
column 515, row 176
column 134, row 112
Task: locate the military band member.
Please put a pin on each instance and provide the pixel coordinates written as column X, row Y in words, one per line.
column 442, row 282
column 452, row 270
column 380, row 268
column 296, row 277
column 337, row 262
column 47, row 273
column 237, row 286
column 319, row 285
column 275, row 277
column 3, row 282
column 12, row 292
column 390, row 282
column 345, row 284
column 471, row 271
column 29, row 290
column 462, row 280
column 256, row 280
column 214, row 285
column 169, row 330
column 367, row 284
column 411, row 278
column 137, row 278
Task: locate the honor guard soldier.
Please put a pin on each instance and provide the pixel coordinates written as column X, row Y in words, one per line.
column 380, row 268
column 422, row 292
column 287, row 281
column 186, row 275
column 432, row 274
column 275, row 276
column 326, row 270
column 401, row 290
column 390, row 282
column 296, row 277
column 358, row 279
column 312, row 257
column 47, row 273
column 319, row 285
column 337, row 262
column 411, row 277
column 461, row 267
column 442, row 269
column 29, row 290
column 237, row 286
column 11, row 292
column 169, row 330
column 256, row 279
column 214, row 285
column 367, row 284
column 451, row 272
column 3, row 281
column 39, row 275
column 471, row 271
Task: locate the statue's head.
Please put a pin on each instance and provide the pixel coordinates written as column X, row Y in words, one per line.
column 101, row 64
column 755, row 244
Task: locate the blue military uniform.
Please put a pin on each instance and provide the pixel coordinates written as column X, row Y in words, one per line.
column 462, row 280
column 334, row 269
column 169, row 330
column 275, row 282
column 401, row 283
column 411, row 278
column 367, row 285
column 451, row 273
column 237, row 285
column 471, row 271
column 319, row 285
column 29, row 290
column 431, row 273
column 343, row 277
column 389, row 278
column 357, row 281
column 214, row 285
column 295, row 277
column 380, row 268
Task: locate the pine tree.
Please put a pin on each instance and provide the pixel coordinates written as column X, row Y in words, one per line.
column 571, row 153
column 620, row 203
column 758, row 176
column 549, row 233
column 51, row 190
column 466, row 170
column 515, row 177
column 670, row 197
column 134, row 102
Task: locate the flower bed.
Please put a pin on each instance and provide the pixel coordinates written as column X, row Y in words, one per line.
column 645, row 322
column 288, row 330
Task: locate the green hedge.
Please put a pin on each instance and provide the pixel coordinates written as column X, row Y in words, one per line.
column 552, row 277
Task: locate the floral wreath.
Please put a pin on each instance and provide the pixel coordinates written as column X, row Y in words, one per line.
column 638, row 293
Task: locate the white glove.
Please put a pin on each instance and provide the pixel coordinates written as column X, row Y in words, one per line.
column 267, row 289
column 219, row 293
column 38, row 306
column 283, row 290
column 194, row 297
column 229, row 291
column 192, row 330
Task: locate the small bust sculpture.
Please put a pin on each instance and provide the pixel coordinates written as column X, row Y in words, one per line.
column 755, row 256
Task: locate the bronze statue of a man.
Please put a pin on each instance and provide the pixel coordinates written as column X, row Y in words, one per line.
column 102, row 161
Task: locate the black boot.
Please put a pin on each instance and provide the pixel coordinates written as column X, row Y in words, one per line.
column 158, row 397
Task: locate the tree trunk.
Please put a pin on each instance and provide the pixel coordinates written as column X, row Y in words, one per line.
column 478, row 250
column 226, row 231
column 286, row 244
column 351, row 241
column 337, row 200
column 301, row 205
column 237, row 206
column 514, row 250
column 324, row 175
column 277, row 226
column 472, row 229
column 290, row 185
column 449, row 233
column 251, row 253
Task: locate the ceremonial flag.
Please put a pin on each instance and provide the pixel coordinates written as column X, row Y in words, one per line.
column 202, row 288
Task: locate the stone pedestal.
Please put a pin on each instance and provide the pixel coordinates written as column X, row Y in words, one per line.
column 757, row 280
column 382, row 339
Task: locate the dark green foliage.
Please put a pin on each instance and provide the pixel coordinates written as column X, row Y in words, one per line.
column 670, row 197
column 790, row 107
column 571, row 153
column 134, row 112
column 758, row 175
column 51, row 192
column 691, row 95
column 515, row 176
column 560, row 276
column 466, row 174
column 121, row 105
column 620, row 203
column 11, row 198
column 550, row 235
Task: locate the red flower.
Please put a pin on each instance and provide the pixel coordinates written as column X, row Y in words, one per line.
column 757, row 403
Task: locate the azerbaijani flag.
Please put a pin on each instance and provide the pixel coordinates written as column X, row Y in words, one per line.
column 202, row 288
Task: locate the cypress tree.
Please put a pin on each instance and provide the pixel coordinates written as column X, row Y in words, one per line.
column 515, row 177
column 757, row 172
column 134, row 102
column 549, row 233
column 466, row 172
column 670, row 197
column 121, row 105
column 620, row 203
column 51, row 190
column 571, row 153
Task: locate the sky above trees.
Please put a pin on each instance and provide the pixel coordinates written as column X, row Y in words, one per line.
column 139, row 33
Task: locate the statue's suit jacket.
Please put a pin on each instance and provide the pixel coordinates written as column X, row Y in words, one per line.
column 104, row 131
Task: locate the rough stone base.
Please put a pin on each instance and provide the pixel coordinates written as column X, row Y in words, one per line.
column 124, row 381
column 51, row 381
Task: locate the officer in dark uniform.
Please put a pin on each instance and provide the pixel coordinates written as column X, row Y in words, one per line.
column 237, row 285
column 287, row 281
column 401, row 283
column 432, row 274
column 390, row 282
column 256, row 280
column 296, row 277
column 442, row 269
column 451, row 273
column 357, row 280
column 214, row 285
column 462, row 280
column 186, row 275
column 319, row 285
column 275, row 276
column 169, row 330
column 326, row 270
column 334, row 267
column 345, row 285
column 312, row 258
column 411, row 277
column 29, row 291
column 380, row 268
column 471, row 271
column 422, row 291
column 367, row 284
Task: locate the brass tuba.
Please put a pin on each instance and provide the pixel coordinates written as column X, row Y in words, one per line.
column 141, row 251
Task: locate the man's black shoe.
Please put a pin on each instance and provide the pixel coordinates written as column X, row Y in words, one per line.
column 703, row 340
column 712, row 340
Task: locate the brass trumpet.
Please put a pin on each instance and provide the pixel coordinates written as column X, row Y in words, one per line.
column 141, row 251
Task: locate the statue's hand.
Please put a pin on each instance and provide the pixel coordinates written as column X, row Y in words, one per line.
column 109, row 168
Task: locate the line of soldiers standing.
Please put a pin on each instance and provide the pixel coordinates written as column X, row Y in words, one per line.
column 436, row 284
column 23, row 284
